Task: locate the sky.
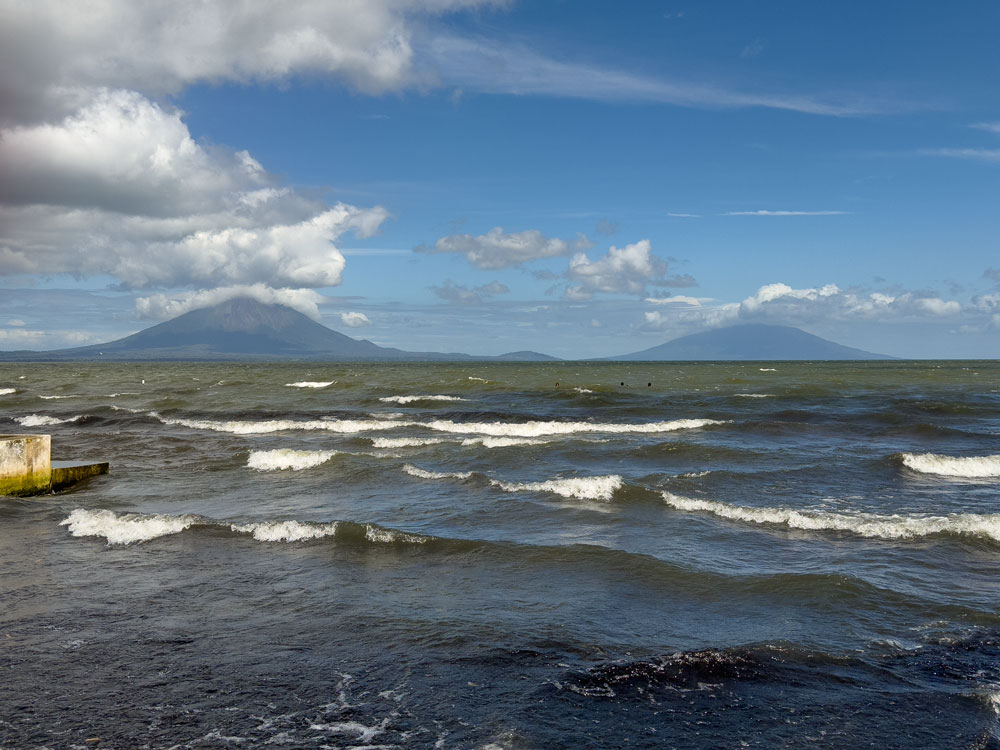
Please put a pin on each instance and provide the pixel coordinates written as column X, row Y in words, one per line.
column 578, row 178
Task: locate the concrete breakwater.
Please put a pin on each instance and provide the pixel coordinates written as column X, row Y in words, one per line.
column 26, row 466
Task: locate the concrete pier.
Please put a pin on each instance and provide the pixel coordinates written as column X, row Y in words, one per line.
column 26, row 466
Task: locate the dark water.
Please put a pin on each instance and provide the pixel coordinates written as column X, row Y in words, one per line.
column 736, row 555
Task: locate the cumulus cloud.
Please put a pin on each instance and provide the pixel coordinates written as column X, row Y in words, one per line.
column 354, row 319
column 164, row 307
column 462, row 295
column 51, row 50
column 627, row 270
column 497, row 249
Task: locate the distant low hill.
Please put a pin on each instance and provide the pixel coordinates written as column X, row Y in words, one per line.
column 242, row 328
column 749, row 342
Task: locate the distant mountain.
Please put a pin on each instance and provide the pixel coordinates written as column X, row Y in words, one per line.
column 243, row 328
column 749, row 342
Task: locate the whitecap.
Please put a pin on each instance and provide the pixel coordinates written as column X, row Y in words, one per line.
column 767, row 369
column 754, row 395
column 405, row 442
column 282, row 425
column 423, row 474
column 582, row 488
column 389, row 536
column 583, row 390
column 48, row 397
column 286, row 458
column 973, row 467
column 40, row 420
column 864, row 524
column 8, row 391
column 538, row 429
column 124, row 528
column 286, row 531
column 481, row 380
column 411, row 399
column 310, row 384
column 501, row 442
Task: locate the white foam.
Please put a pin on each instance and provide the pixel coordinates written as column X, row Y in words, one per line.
column 388, row 536
column 286, row 531
column 481, row 380
column 283, row 425
column 124, row 528
column 411, row 399
column 754, row 395
column 310, row 384
column 583, row 488
column 951, row 466
column 583, row 390
column 45, row 397
column 502, row 442
column 423, row 474
column 286, row 458
column 538, row 429
column 8, row 391
column 491, row 429
column 405, row 442
column 864, row 524
column 40, row 420
column 767, row 369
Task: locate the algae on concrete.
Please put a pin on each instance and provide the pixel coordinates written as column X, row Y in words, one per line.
column 25, row 464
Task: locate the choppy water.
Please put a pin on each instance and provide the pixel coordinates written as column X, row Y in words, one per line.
column 506, row 556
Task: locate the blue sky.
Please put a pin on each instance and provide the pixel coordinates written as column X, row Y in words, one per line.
column 582, row 179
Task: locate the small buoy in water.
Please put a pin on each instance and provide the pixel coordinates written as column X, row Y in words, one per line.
column 649, row 385
column 622, row 383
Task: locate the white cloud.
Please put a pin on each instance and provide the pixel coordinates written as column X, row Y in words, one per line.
column 781, row 303
column 626, row 270
column 988, row 155
column 497, row 249
column 17, row 322
column 50, row 50
column 480, row 65
column 989, row 127
column 354, row 319
column 462, row 295
column 163, row 307
column 785, row 213
column 678, row 300
column 675, row 215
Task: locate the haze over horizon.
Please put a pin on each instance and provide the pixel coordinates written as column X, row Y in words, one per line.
column 468, row 175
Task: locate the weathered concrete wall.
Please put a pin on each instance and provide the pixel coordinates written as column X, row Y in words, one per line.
column 66, row 473
column 25, row 464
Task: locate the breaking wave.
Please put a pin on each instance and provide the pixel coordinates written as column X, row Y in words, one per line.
column 502, row 442
column 8, row 391
column 310, row 384
column 121, row 529
column 582, row 488
column 894, row 526
column 423, row 474
column 411, row 399
column 125, row 528
column 973, row 467
column 285, row 531
column 40, row 420
column 50, row 397
column 286, row 458
column 491, row 429
column 405, row 442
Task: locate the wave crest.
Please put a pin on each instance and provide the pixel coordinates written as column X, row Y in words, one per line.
column 285, row 531
column 125, row 528
column 411, row 399
column 860, row 523
column 310, row 384
column 973, row 467
column 582, row 488
column 286, row 458
column 41, row 420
